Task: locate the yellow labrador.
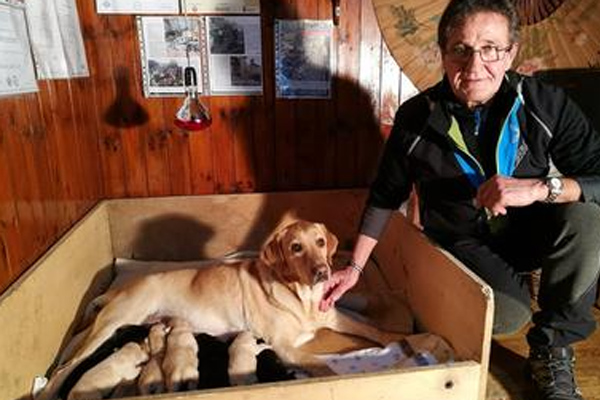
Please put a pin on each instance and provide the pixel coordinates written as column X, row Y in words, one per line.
column 242, row 359
column 180, row 365
column 123, row 365
column 275, row 296
column 151, row 380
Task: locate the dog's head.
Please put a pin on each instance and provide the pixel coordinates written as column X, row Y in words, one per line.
column 301, row 252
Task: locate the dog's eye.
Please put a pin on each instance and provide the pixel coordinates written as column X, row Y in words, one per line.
column 296, row 247
column 320, row 242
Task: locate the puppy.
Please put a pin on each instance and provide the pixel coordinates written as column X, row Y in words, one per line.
column 152, row 380
column 180, row 365
column 98, row 382
column 270, row 368
column 123, row 335
column 213, row 360
column 242, row 359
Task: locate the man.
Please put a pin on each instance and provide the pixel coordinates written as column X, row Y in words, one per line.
column 480, row 148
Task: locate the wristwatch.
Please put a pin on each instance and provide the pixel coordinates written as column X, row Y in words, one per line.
column 555, row 188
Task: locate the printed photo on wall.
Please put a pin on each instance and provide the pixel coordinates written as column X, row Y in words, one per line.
column 235, row 56
column 304, row 60
column 168, row 45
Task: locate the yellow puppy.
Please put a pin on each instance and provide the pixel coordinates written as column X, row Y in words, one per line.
column 122, row 365
column 152, row 380
column 242, row 359
column 180, row 365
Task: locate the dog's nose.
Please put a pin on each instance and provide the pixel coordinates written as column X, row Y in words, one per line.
column 321, row 273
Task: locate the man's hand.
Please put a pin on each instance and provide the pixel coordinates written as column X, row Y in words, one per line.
column 500, row 192
column 340, row 282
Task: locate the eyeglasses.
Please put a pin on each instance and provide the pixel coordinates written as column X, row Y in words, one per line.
column 463, row 53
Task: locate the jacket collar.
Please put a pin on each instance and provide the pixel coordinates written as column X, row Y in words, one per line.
column 440, row 97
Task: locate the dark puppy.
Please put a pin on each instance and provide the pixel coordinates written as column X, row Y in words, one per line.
column 213, row 360
column 270, row 368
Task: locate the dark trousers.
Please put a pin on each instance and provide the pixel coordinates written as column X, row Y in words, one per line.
column 561, row 239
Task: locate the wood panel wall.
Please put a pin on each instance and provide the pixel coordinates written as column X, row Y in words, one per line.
column 80, row 140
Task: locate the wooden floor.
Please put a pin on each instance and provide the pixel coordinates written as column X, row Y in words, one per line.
column 507, row 381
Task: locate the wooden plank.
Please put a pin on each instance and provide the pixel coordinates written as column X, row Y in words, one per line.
column 457, row 382
column 123, row 47
column 103, row 62
column 350, row 97
column 390, row 86
column 240, row 125
column 369, row 143
column 222, row 145
column 415, row 261
column 45, row 303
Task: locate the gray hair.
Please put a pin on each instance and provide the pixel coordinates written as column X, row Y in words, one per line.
column 458, row 10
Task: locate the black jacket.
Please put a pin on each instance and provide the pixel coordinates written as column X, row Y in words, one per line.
column 420, row 151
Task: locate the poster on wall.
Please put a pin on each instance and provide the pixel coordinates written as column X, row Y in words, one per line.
column 56, row 39
column 17, row 74
column 221, row 6
column 168, row 44
column 303, row 58
column 137, row 6
column 234, row 54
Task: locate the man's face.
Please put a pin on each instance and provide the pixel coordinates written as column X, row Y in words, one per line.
column 473, row 80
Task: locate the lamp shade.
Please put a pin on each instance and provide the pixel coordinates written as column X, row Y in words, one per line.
column 192, row 115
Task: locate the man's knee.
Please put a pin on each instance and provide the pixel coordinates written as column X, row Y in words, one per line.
column 510, row 314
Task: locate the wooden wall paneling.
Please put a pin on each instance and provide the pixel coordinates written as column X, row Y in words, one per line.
column 349, row 96
column 100, row 41
column 241, row 127
column 222, row 144
column 86, row 105
column 178, row 148
column 50, row 224
column 62, row 143
column 306, row 129
column 325, row 114
column 180, row 166
column 76, row 134
column 23, row 185
column 125, row 74
column 202, row 158
column 390, row 87
column 263, row 138
column 9, row 247
column 370, row 141
column 262, row 107
column 156, row 134
column 285, row 116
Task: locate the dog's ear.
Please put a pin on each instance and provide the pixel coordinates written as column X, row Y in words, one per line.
column 332, row 244
column 271, row 253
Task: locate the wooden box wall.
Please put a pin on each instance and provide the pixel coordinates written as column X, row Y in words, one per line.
column 48, row 298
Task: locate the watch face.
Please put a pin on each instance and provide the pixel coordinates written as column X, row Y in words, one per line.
column 555, row 184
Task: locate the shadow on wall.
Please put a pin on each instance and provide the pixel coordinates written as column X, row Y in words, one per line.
column 125, row 112
column 171, row 237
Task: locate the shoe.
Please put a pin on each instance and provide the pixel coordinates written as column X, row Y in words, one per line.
column 551, row 370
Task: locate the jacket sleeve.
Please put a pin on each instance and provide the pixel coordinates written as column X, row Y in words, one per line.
column 392, row 185
column 575, row 147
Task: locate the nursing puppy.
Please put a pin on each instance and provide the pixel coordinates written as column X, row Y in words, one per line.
column 122, row 365
column 242, row 359
column 180, row 364
column 151, row 380
column 275, row 296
